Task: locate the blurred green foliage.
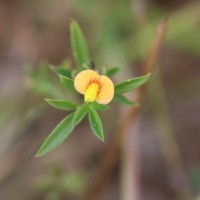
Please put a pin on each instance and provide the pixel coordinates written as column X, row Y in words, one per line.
column 56, row 184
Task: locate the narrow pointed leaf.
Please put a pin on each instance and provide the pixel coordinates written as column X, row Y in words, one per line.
column 131, row 84
column 120, row 98
column 67, row 82
column 101, row 107
column 78, row 44
column 79, row 114
column 57, row 136
column 112, row 71
column 85, row 66
column 61, row 104
column 95, row 123
column 63, row 71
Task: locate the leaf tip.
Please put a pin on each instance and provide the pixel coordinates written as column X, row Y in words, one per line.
column 102, row 140
column 101, row 137
column 47, row 100
column 149, row 74
column 72, row 21
column 61, row 77
column 38, row 154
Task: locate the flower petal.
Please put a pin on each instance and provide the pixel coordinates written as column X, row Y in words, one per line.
column 83, row 79
column 106, row 91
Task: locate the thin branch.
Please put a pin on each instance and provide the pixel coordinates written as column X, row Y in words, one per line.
column 112, row 154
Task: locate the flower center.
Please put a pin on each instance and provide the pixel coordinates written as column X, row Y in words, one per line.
column 91, row 92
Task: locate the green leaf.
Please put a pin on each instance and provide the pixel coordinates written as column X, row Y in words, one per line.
column 74, row 73
column 61, row 104
column 85, row 66
column 95, row 123
column 131, row 84
column 78, row 44
column 98, row 106
column 63, row 71
column 120, row 98
column 112, row 71
column 57, row 136
column 79, row 114
column 67, row 82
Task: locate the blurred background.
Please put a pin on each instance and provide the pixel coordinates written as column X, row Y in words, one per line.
column 119, row 33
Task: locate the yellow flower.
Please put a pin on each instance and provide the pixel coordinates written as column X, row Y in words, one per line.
column 94, row 87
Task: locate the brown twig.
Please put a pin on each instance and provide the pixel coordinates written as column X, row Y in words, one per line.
column 111, row 155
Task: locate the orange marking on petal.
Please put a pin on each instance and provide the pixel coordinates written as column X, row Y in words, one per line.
column 106, row 90
column 84, row 79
